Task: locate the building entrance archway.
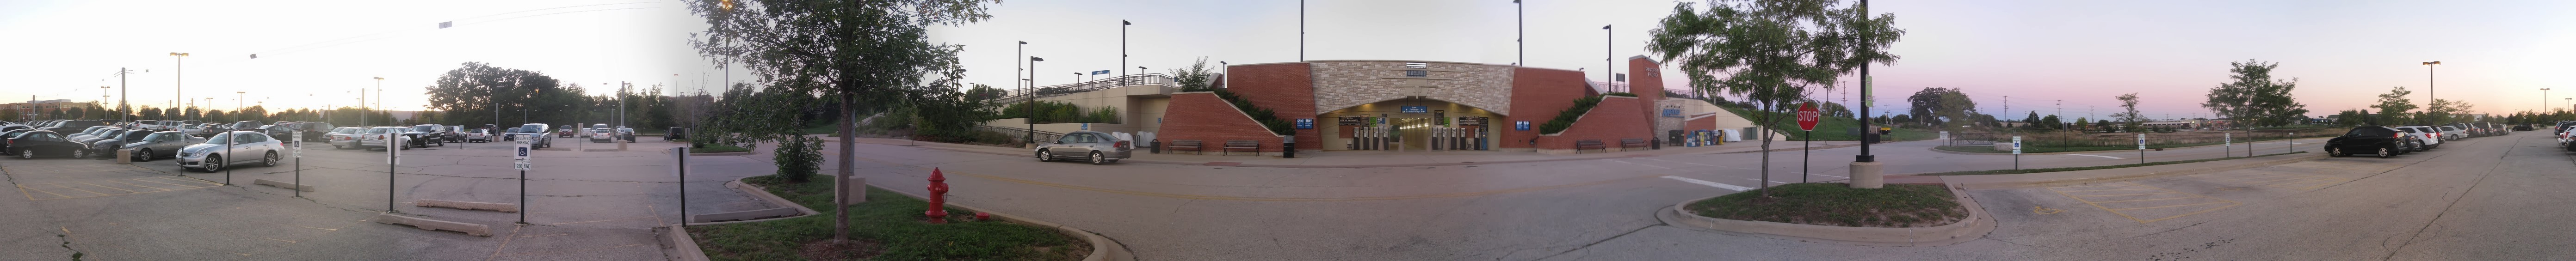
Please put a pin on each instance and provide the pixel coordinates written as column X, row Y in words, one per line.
column 1410, row 124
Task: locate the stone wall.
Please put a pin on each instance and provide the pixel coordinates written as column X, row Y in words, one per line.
column 1345, row 83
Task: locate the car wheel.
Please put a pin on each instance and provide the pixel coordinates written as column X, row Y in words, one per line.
column 1044, row 156
column 269, row 160
column 338, row 147
column 26, row 154
column 2334, row 152
column 1096, row 159
column 142, row 155
column 213, row 163
column 2384, row 153
column 80, row 154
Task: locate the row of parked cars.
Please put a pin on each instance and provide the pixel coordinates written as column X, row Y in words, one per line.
column 2390, row 141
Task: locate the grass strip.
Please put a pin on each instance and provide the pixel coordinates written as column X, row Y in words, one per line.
column 2022, row 171
column 890, row 224
column 718, row 148
column 2027, row 148
column 1837, row 204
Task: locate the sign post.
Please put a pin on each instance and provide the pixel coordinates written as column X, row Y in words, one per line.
column 393, row 157
column 2016, row 152
column 522, row 165
column 680, row 157
column 2228, row 141
column 299, row 161
column 2142, row 148
column 1806, row 122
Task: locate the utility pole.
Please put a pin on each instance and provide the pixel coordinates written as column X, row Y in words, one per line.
column 1520, row 28
column 179, row 60
column 1301, row 34
column 1122, row 48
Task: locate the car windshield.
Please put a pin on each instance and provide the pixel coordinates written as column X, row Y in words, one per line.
column 219, row 139
column 532, row 127
column 478, row 131
column 424, row 128
column 133, row 135
column 163, row 136
column 377, row 130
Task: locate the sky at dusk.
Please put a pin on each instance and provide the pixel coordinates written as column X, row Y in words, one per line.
column 2495, row 54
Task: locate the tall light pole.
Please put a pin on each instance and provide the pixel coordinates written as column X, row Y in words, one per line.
column 1016, row 69
column 1520, row 30
column 237, row 106
column 2544, row 99
column 1223, row 69
column 1607, row 71
column 1865, row 164
column 1301, row 30
column 1029, row 106
column 179, row 60
column 1122, row 49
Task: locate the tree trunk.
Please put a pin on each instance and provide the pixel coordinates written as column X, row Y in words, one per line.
column 1765, row 127
column 849, row 155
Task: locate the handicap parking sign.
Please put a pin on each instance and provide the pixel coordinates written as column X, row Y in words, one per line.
column 1520, row 125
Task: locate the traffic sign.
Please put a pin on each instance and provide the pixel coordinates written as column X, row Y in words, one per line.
column 2016, row 144
column 522, row 151
column 299, row 143
column 1807, row 116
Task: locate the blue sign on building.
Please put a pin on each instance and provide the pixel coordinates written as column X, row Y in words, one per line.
column 1520, row 125
column 1675, row 113
column 1305, row 123
column 1099, row 72
column 1417, row 109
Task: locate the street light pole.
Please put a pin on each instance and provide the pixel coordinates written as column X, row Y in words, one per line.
column 1029, row 105
column 1606, row 69
column 2428, row 80
column 179, row 60
column 1520, row 29
column 1122, row 49
column 2544, row 99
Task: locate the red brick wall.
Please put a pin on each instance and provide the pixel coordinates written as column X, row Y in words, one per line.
column 1614, row 119
column 1204, row 117
column 1537, row 95
column 1287, row 89
column 1648, row 87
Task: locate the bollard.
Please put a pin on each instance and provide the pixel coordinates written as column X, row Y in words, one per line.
column 125, row 157
column 938, row 198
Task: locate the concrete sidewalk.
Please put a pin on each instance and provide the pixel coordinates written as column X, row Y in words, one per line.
column 1370, row 159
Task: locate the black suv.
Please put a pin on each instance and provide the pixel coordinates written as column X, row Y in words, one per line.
column 2371, row 140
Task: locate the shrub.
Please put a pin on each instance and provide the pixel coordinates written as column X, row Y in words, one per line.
column 1264, row 116
column 1565, row 119
column 799, row 157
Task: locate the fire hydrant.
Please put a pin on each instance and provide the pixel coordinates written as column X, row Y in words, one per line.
column 938, row 198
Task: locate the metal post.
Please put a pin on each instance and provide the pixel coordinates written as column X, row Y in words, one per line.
column 299, row 163
column 228, row 149
column 1865, row 101
column 393, row 150
column 682, row 153
column 1806, row 154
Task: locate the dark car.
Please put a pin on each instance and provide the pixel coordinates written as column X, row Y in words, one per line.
column 46, row 143
column 99, row 134
column 162, row 144
column 2371, row 140
column 73, row 124
column 510, row 134
column 564, row 132
column 85, row 132
column 107, row 147
column 247, row 125
column 421, row 136
column 6, row 135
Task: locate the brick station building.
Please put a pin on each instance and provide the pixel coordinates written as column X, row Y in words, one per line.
column 1339, row 105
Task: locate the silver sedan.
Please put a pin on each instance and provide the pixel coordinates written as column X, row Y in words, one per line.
column 215, row 155
column 1094, row 147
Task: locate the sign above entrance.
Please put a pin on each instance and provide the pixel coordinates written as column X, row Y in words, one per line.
column 1416, row 109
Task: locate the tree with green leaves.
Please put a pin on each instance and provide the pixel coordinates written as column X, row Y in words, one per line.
column 871, row 53
column 2393, row 106
column 2255, row 99
column 2444, row 111
column 1936, row 105
column 1194, row 78
column 1772, row 52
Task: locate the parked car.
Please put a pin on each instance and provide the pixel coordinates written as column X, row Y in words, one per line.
column 106, row 148
column 478, row 135
column 86, row 132
column 161, row 144
column 2451, row 133
column 60, row 126
column 97, row 135
column 451, row 133
column 247, row 125
column 510, row 134
column 422, row 136
column 380, row 137
column 2375, row 140
column 315, row 131
column 537, row 132
column 564, row 132
column 5, row 136
column 46, row 143
column 229, row 148
column 2431, row 138
column 626, row 133
column 1095, row 147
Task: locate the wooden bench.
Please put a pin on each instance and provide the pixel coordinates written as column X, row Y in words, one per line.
column 1190, row 145
column 1241, row 145
column 1632, row 143
column 1581, row 145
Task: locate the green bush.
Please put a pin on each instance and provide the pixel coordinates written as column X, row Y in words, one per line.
column 799, row 157
column 1106, row 114
column 1565, row 119
column 1264, row 116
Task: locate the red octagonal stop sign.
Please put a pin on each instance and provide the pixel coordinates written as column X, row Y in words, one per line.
column 1807, row 116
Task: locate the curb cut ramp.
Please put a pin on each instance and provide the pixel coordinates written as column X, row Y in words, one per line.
column 466, row 205
column 429, row 224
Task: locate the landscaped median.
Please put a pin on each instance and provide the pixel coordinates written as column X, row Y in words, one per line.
column 2047, row 177
column 719, row 149
column 1896, row 215
column 890, row 226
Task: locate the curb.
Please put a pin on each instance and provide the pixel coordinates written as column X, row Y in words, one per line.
column 721, row 154
column 2104, row 175
column 1855, row 144
column 1974, row 227
column 1938, row 149
column 1102, row 248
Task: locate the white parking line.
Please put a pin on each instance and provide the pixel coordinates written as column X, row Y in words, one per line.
column 2096, row 156
column 1760, row 180
column 1710, row 183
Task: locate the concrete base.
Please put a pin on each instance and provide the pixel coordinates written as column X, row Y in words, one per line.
column 124, row 157
column 1868, row 175
column 858, row 191
column 283, row 184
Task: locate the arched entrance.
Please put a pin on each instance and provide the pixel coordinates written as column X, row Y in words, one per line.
column 1410, row 124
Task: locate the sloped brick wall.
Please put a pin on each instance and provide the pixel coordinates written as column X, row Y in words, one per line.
column 1287, row 89
column 1614, row 119
column 1204, row 117
column 1537, row 95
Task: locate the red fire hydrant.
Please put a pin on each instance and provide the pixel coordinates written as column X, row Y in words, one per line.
column 938, row 198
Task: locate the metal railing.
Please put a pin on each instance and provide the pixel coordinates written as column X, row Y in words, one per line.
column 1017, row 133
column 1095, row 85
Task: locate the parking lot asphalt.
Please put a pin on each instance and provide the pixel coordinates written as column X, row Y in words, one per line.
column 581, row 205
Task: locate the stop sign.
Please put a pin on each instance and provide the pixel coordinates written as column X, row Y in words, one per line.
column 1807, row 116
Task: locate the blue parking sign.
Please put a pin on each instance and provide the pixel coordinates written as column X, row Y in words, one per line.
column 1520, row 125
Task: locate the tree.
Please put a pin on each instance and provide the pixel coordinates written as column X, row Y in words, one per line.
column 2351, row 118
column 1193, row 78
column 2255, row 98
column 1937, row 105
column 1772, row 52
column 2129, row 109
column 2051, row 122
column 985, row 93
column 856, row 51
column 2443, row 111
column 2393, row 106
column 477, row 93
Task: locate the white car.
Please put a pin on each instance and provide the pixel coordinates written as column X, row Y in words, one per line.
column 478, row 135
column 2430, row 137
column 214, row 155
column 2453, row 133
